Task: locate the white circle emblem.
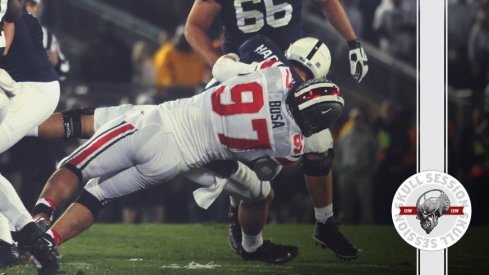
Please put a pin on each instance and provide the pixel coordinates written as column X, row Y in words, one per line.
column 431, row 210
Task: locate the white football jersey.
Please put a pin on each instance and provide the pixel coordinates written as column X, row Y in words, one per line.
column 244, row 118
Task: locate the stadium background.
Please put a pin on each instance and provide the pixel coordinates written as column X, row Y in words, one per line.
column 103, row 41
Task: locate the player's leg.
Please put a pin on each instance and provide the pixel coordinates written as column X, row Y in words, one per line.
column 32, row 104
column 319, row 181
column 8, row 251
column 29, row 234
column 256, row 197
column 118, row 145
column 109, row 151
column 76, row 123
column 81, row 123
column 97, row 193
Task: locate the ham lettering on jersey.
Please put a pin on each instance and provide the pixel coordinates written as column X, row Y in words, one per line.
column 266, row 53
column 276, row 114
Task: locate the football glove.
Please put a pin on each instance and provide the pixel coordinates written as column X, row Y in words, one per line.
column 358, row 60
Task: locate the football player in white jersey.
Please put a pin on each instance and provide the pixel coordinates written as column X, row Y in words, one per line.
column 20, row 111
column 143, row 148
column 81, row 123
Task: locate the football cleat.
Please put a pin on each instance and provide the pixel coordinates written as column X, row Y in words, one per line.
column 42, row 222
column 329, row 236
column 271, row 253
column 8, row 254
column 234, row 236
column 41, row 246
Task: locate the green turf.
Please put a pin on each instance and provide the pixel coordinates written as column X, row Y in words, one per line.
column 156, row 248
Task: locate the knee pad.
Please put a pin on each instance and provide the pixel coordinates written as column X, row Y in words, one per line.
column 90, row 202
column 72, row 122
column 266, row 168
column 319, row 167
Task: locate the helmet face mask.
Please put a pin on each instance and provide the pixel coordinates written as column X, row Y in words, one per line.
column 315, row 105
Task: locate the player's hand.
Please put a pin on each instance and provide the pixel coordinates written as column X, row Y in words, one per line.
column 358, row 60
column 53, row 58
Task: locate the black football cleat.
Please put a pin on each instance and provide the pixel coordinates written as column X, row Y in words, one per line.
column 41, row 246
column 329, row 236
column 43, row 223
column 234, row 235
column 271, row 253
column 8, row 255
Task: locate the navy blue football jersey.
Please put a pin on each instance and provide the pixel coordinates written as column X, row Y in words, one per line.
column 27, row 60
column 280, row 20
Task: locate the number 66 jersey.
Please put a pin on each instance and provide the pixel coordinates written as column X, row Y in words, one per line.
column 244, row 118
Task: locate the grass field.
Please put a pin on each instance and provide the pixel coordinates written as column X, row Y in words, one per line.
column 171, row 249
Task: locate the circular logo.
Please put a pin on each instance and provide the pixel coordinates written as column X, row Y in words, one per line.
column 431, row 210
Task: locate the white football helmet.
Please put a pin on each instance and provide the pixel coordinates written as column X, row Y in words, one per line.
column 312, row 53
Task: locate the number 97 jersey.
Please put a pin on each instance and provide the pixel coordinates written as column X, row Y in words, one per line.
column 250, row 117
column 279, row 20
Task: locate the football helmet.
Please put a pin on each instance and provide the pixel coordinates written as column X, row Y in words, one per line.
column 311, row 53
column 315, row 105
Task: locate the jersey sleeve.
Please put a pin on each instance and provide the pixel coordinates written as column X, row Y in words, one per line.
column 226, row 68
column 319, row 143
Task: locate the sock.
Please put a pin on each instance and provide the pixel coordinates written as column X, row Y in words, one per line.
column 322, row 214
column 234, row 201
column 44, row 207
column 251, row 243
column 55, row 235
column 5, row 230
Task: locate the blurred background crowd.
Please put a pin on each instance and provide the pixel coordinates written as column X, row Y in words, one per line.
column 127, row 51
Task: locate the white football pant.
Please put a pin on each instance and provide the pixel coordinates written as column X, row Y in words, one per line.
column 33, row 102
column 11, row 207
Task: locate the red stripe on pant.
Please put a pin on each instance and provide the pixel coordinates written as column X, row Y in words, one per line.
column 83, row 155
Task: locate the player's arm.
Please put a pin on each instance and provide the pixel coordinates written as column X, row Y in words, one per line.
column 14, row 10
column 199, row 20
column 334, row 11
column 78, row 123
column 228, row 66
column 57, row 58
